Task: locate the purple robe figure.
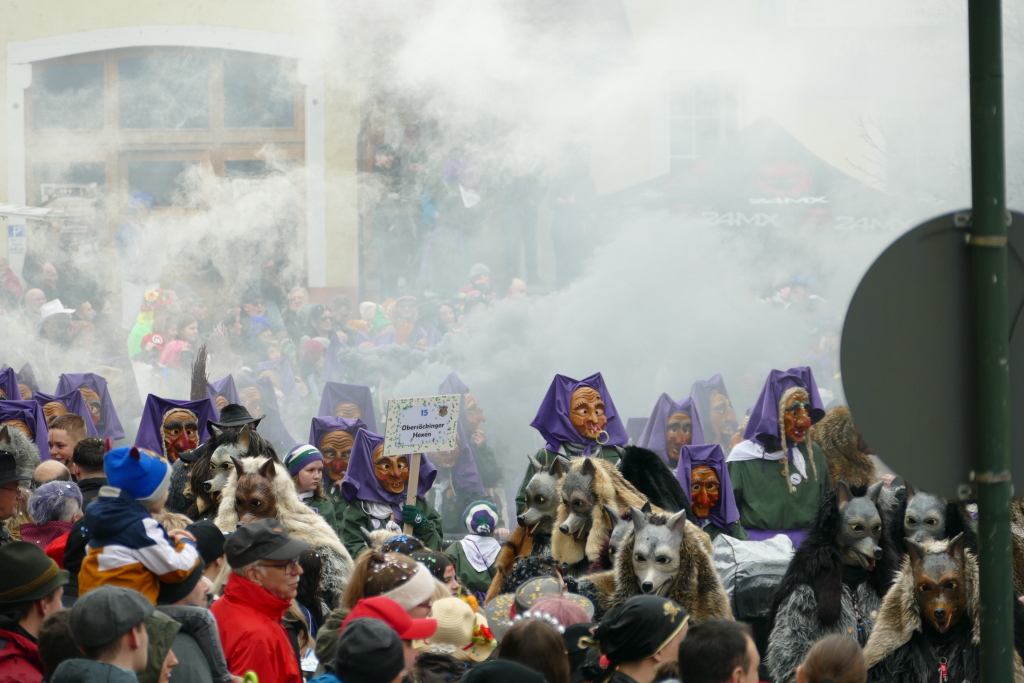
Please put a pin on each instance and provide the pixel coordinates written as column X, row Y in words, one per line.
column 150, row 434
column 282, row 367
column 635, row 427
column 336, row 393
column 725, row 514
column 319, row 426
column 27, row 376
column 31, row 413
column 702, row 392
column 225, row 387
column 272, row 426
column 653, row 435
column 74, row 403
column 109, row 426
column 464, row 475
column 360, row 482
column 763, row 425
column 9, row 384
column 132, row 397
column 553, row 421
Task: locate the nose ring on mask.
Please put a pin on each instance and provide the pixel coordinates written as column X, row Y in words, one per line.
column 606, row 435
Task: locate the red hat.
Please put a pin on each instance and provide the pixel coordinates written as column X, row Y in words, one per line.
column 155, row 339
column 392, row 614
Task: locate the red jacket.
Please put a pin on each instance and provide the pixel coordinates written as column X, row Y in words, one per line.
column 249, row 621
column 19, row 659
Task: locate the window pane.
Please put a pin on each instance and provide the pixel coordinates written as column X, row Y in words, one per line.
column 258, row 95
column 164, row 92
column 53, row 181
column 69, row 96
column 164, row 180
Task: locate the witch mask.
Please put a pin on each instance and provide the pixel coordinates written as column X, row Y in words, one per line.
column 392, row 471
column 796, row 418
column 723, row 417
column 180, row 431
column 336, row 447
column 21, row 426
column 678, row 433
column 252, row 399
column 705, row 489
column 586, row 412
column 92, row 400
column 474, row 414
column 53, row 409
column 348, row 410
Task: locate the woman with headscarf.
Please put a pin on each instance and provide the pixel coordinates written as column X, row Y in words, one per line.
column 375, row 488
column 577, row 419
column 778, row 474
column 704, row 476
column 672, row 425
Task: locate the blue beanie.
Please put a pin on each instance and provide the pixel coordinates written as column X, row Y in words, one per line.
column 481, row 518
column 143, row 474
column 300, row 456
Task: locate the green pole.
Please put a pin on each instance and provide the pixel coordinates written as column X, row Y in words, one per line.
column 992, row 335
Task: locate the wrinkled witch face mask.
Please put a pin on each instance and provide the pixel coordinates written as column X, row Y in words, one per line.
column 252, row 399
column 53, row 409
column 92, row 399
column 587, row 413
column 181, row 432
column 678, row 433
column 392, row 471
column 20, row 426
column 336, row 447
column 704, row 490
column 723, row 419
column 26, row 391
column 348, row 410
column 445, row 459
column 474, row 413
column 796, row 416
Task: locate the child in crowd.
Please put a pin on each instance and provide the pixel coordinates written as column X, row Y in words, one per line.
column 306, row 465
column 475, row 554
column 128, row 547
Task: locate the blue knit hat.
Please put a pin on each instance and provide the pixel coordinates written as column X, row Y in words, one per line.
column 481, row 518
column 143, row 474
column 300, row 456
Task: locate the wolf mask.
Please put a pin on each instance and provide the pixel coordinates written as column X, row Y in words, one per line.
column 860, row 527
column 542, row 496
column 939, row 582
column 656, row 551
column 925, row 518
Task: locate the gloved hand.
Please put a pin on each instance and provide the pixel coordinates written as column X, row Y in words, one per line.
column 412, row 515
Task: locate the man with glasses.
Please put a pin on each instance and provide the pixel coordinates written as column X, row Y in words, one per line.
column 10, row 492
column 264, row 579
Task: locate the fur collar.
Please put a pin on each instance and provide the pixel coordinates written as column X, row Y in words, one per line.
column 837, row 436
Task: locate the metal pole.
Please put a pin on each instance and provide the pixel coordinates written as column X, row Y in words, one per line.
column 988, row 264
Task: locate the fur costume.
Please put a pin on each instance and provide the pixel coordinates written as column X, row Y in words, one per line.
column 607, row 487
column 695, row 586
column 1017, row 536
column 298, row 519
column 891, row 653
column 520, row 543
column 645, row 470
column 838, row 438
column 24, row 449
column 378, row 537
column 815, row 599
column 894, row 508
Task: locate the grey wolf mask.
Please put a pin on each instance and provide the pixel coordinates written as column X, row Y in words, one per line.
column 579, row 499
column 542, row 496
column 925, row 518
column 225, row 445
column 656, row 551
column 860, row 527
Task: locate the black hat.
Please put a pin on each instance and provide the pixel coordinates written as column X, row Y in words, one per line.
column 194, row 454
column 28, row 573
column 9, row 469
column 234, row 415
column 265, row 539
column 209, row 539
column 578, row 639
column 170, row 593
column 369, row 651
column 639, row 628
column 502, row 671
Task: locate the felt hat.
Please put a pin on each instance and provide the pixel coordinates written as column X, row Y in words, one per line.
column 265, row 539
column 461, row 632
column 29, row 573
column 9, row 469
column 235, row 415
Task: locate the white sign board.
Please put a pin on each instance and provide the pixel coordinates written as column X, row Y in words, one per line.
column 427, row 424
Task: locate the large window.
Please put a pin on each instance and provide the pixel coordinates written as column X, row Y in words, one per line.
column 146, row 120
column 703, row 113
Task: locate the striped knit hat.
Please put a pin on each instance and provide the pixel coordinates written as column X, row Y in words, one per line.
column 300, row 456
column 481, row 518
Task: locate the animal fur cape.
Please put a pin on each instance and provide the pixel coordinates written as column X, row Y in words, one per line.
column 298, row 519
column 900, row 617
column 24, row 449
column 837, row 436
column 1017, row 530
column 645, row 470
column 610, row 488
column 696, row 585
column 520, row 543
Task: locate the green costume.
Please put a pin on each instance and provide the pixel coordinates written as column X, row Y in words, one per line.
column 737, row 531
column 357, row 515
column 473, row 579
column 325, row 508
column 338, row 502
column 570, row 451
column 764, row 499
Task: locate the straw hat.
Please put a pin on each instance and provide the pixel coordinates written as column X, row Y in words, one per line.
column 461, row 632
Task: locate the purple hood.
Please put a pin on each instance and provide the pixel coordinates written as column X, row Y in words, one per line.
column 763, row 425
column 109, row 426
column 336, row 392
column 153, row 419
column 653, row 435
column 553, row 422
column 725, row 514
column 31, row 413
column 74, row 402
column 360, row 482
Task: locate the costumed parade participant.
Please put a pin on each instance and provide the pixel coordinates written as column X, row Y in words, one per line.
column 778, row 475
column 576, row 418
column 457, row 483
column 351, row 401
column 70, row 402
column 714, row 408
column 672, row 425
column 306, row 466
column 223, row 392
column 472, row 416
column 97, row 397
column 27, row 417
column 704, row 476
column 375, row 488
column 259, row 398
column 475, row 554
column 334, row 437
column 847, row 454
column 174, row 427
column 9, row 389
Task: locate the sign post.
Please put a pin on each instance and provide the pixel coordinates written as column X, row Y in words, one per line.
column 427, row 424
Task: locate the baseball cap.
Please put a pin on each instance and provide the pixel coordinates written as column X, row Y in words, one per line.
column 392, row 614
column 265, row 539
column 106, row 613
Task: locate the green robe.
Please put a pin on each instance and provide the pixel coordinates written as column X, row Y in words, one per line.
column 764, row 500
column 338, row 502
column 737, row 531
column 487, row 465
column 546, row 457
column 356, row 516
column 325, row 508
column 474, row 581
